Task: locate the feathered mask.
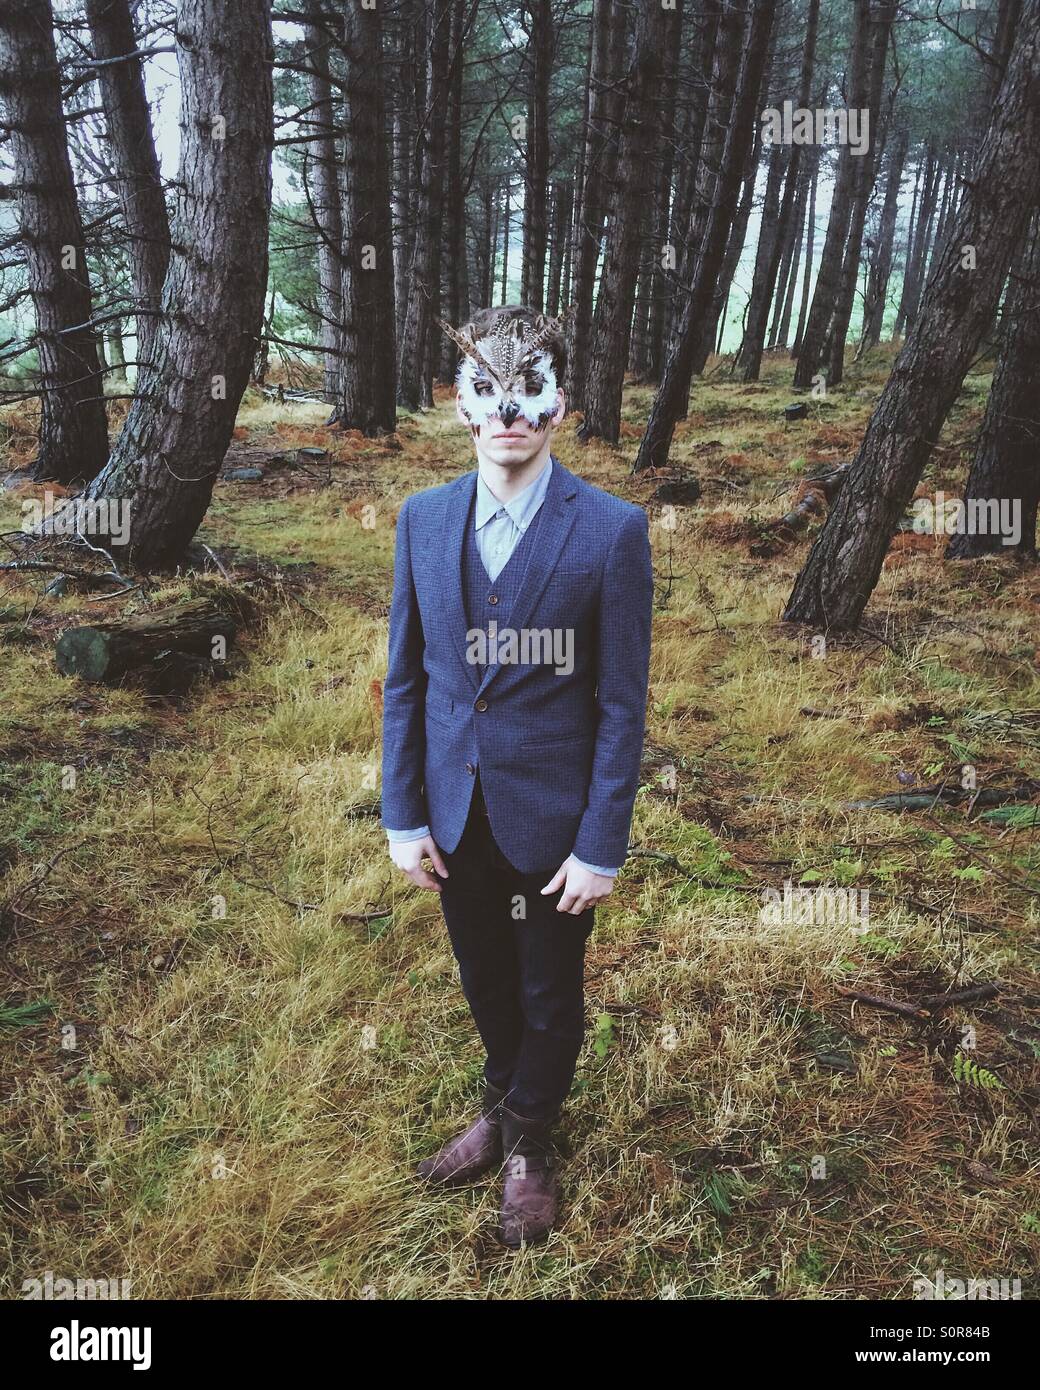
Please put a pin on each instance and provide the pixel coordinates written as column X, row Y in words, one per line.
column 508, row 373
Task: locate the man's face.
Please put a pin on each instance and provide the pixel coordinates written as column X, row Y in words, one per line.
column 515, row 444
column 511, row 415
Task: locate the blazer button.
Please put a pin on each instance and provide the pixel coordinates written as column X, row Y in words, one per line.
column 481, row 705
column 470, row 769
column 493, row 599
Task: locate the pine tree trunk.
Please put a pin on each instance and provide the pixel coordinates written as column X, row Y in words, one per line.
column 711, row 332
column 788, row 281
column 832, row 261
column 881, row 263
column 917, row 253
column 180, row 425
column 777, row 218
column 403, row 140
column 671, row 397
column 415, row 385
column 321, row 174
column 562, row 208
column 536, row 161
column 649, row 360
column 863, row 184
column 843, row 566
column 608, row 44
column 73, row 438
column 714, row 141
column 367, row 393
column 138, row 182
column 707, row 34
column 810, row 241
column 1005, row 463
column 454, row 274
column 617, row 285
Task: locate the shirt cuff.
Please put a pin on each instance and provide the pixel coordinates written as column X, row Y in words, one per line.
column 399, row 836
column 595, row 868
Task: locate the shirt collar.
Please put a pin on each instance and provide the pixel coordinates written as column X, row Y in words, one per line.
column 520, row 509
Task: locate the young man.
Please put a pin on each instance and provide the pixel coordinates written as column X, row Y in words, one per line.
column 513, row 723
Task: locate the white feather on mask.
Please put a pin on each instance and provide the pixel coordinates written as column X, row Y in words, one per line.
column 482, row 395
column 507, row 374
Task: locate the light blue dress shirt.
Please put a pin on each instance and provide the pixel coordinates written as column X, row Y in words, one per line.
column 499, row 527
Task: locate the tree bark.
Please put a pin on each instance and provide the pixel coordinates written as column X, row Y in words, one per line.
column 843, row 566
column 673, row 392
column 403, row 138
column 415, row 385
column 105, row 652
column 73, row 437
column 810, row 241
column 881, row 262
column 368, row 391
column 180, row 424
column 917, row 250
column 601, row 142
column 725, row 74
column 613, row 319
column 138, row 182
column 784, row 164
column 536, row 155
column 320, row 173
column 454, row 278
column 863, row 183
column 712, row 330
column 828, row 278
column 1005, row 465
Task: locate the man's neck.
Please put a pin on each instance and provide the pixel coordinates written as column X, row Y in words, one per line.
column 506, row 483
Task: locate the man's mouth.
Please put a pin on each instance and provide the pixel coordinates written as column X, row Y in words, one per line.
column 509, row 434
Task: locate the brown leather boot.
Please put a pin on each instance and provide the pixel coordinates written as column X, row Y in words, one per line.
column 474, row 1151
column 529, row 1193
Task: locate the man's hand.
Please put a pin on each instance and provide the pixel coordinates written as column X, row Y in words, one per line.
column 583, row 889
column 408, row 856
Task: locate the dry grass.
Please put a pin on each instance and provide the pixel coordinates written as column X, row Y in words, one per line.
column 231, row 1105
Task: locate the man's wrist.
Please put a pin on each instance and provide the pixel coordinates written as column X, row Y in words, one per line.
column 595, row 868
column 397, row 837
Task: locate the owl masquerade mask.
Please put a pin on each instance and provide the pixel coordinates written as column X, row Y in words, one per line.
column 507, row 374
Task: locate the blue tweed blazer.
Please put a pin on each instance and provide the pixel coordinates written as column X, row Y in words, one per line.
column 558, row 754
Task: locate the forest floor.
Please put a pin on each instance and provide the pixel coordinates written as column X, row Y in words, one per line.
column 230, row 1104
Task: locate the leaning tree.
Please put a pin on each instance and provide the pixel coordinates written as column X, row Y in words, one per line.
column 958, row 306
column 1006, row 463
column 167, row 458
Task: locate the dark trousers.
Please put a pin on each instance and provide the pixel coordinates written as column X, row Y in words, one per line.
column 522, row 965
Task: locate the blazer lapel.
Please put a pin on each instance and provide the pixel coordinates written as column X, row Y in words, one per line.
column 553, row 529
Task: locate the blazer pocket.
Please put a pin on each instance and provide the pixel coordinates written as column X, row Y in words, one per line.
column 439, row 710
column 554, row 741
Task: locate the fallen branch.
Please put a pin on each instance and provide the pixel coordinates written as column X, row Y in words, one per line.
column 975, row 995
column 813, row 498
column 893, row 1006
column 926, row 798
